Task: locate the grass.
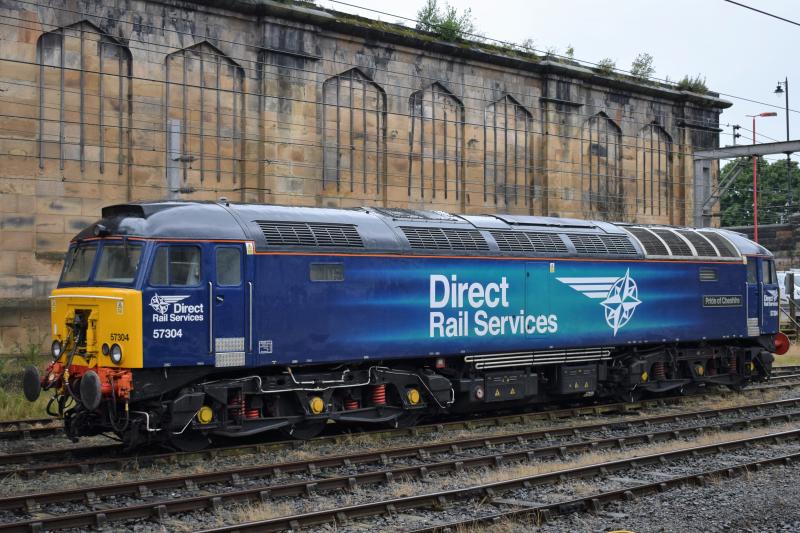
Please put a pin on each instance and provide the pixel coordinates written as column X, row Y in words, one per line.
column 792, row 357
column 13, row 404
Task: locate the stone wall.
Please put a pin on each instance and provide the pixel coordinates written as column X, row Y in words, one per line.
column 107, row 102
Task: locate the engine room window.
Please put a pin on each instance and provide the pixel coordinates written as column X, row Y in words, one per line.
column 78, row 264
column 118, row 263
column 229, row 266
column 327, row 272
column 176, row 266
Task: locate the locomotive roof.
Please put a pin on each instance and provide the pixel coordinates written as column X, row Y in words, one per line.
column 395, row 230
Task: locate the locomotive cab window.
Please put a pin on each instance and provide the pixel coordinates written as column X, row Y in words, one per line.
column 118, row 263
column 229, row 266
column 768, row 275
column 752, row 270
column 78, row 263
column 326, row 272
column 176, row 266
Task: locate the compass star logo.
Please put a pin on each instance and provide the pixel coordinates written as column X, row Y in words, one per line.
column 620, row 296
column 621, row 302
column 161, row 304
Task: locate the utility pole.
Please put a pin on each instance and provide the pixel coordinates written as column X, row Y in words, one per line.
column 783, row 87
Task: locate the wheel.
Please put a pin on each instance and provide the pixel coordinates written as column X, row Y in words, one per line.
column 629, row 396
column 405, row 420
column 189, row 441
column 308, row 429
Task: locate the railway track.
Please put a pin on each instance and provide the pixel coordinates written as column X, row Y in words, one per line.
column 148, row 506
column 440, row 500
column 31, row 463
column 163, row 507
column 595, row 501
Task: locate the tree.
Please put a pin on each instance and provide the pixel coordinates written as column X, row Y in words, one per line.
column 642, row 67
column 736, row 204
column 445, row 21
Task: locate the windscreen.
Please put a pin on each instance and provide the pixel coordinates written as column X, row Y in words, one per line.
column 118, row 263
column 78, row 263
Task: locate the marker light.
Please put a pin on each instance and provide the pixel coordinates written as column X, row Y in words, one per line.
column 116, row 354
column 55, row 349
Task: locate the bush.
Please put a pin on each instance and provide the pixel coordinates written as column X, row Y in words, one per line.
column 445, row 21
column 606, row 66
column 642, row 67
column 695, row 85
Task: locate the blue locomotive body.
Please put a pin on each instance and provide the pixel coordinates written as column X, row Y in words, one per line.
column 265, row 317
column 398, row 307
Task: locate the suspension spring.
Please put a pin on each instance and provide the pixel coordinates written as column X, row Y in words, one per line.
column 350, row 404
column 732, row 369
column 379, row 394
column 659, row 371
column 236, row 407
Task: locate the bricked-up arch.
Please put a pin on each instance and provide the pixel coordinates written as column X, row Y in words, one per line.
column 435, row 144
column 84, row 84
column 508, row 153
column 354, row 133
column 601, row 167
column 204, row 117
column 654, row 171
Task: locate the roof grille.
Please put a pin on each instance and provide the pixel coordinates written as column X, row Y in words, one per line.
column 444, row 239
column 676, row 244
column 310, row 234
column 724, row 246
column 652, row 244
column 702, row 245
column 527, row 241
column 587, row 243
column 399, row 213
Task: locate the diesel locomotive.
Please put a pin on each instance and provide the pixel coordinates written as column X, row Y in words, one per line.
column 180, row 321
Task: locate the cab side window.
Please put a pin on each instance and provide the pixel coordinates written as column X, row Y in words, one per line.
column 752, row 272
column 176, row 266
column 229, row 266
column 768, row 274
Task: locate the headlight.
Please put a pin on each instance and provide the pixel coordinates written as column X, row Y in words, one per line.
column 55, row 349
column 116, row 354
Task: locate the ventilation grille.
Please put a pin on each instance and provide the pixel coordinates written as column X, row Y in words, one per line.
column 676, row 245
column 703, row 247
column 725, row 248
column 310, row 234
column 602, row 244
column 708, row 274
column 398, row 213
column 422, row 238
column 526, row 241
column 652, row 244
